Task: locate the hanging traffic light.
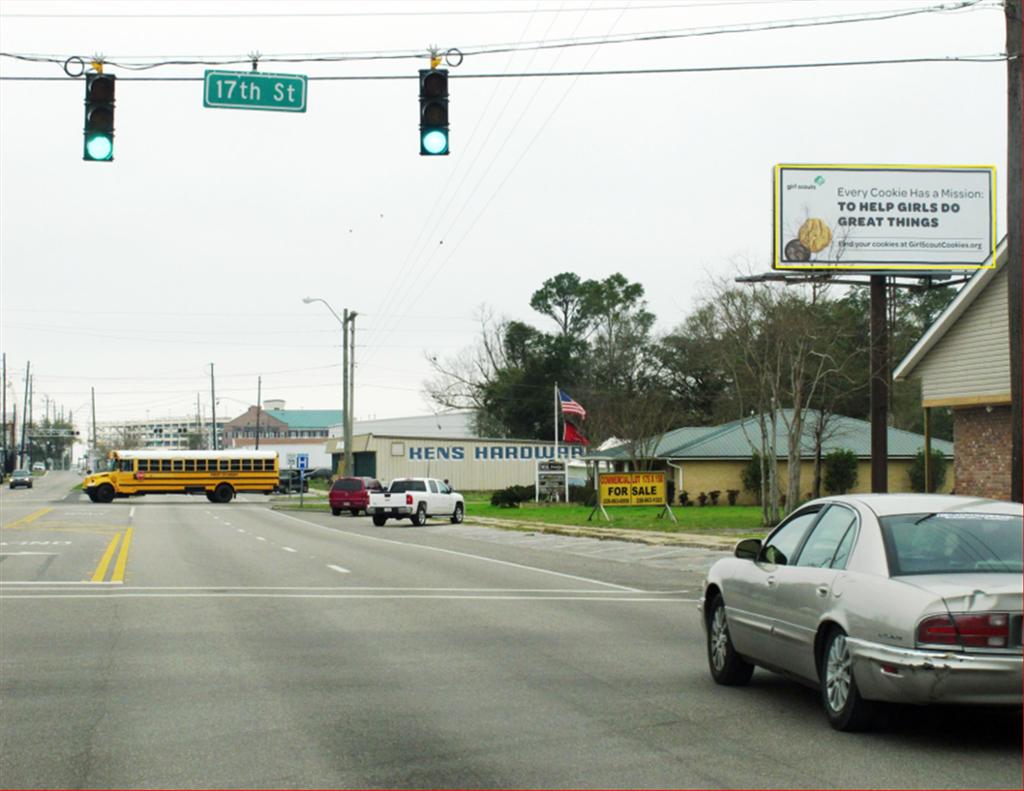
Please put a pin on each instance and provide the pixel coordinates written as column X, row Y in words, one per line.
column 99, row 117
column 433, row 112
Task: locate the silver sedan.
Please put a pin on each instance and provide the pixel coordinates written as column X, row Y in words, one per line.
column 901, row 598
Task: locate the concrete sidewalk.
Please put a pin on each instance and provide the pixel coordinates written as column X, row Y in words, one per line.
column 706, row 541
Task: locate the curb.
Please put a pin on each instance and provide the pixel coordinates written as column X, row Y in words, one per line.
column 716, row 542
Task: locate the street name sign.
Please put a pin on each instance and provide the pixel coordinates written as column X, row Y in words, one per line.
column 254, row 90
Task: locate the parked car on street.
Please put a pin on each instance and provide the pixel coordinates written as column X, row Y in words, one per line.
column 876, row 598
column 291, row 481
column 39, row 467
column 416, row 499
column 352, row 494
column 21, row 478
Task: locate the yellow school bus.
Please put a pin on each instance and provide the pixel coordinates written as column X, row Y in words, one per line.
column 219, row 474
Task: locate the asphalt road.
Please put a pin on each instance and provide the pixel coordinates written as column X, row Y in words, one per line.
column 168, row 642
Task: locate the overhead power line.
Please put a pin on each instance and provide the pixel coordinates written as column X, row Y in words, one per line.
column 991, row 58
column 494, row 49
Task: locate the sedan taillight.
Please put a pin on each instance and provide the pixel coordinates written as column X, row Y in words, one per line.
column 985, row 630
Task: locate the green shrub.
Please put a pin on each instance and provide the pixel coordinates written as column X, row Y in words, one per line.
column 584, row 495
column 505, row 498
column 840, row 471
column 750, row 477
column 938, row 471
column 732, row 494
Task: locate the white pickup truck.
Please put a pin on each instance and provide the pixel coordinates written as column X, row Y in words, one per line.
column 416, row 499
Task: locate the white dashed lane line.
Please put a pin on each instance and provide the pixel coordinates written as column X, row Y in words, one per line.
column 289, row 549
column 339, row 569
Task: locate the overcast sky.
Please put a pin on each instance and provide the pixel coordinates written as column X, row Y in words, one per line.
column 198, row 243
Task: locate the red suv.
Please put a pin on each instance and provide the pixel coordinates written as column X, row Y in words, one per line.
column 353, row 494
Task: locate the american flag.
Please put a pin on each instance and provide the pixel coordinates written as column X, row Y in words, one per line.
column 570, row 407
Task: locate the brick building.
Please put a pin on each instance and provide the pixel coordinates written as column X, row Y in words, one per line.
column 963, row 362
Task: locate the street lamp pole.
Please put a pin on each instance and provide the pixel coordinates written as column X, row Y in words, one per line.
column 347, row 377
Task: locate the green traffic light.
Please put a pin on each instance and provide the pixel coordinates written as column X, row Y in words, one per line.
column 99, row 148
column 434, row 142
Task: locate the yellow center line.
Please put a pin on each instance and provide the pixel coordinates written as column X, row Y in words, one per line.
column 101, row 569
column 26, row 519
column 122, row 557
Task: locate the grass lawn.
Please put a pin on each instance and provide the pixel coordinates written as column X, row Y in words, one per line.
column 711, row 519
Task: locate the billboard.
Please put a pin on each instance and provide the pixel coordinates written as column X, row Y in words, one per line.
column 632, row 488
column 884, row 217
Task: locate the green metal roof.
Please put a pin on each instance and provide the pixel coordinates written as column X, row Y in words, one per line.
column 307, row 418
column 738, row 439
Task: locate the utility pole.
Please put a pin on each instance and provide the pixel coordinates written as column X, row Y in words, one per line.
column 199, row 420
column 259, row 406
column 1015, row 232
column 347, row 385
column 24, row 412
column 3, row 408
column 346, row 464
column 880, row 377
column 350, row 410
column 92, row 454
column 213, row 409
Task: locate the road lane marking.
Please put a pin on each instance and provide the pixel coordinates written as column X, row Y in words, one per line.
column 131, row 513
column 28, row 519
column 459, row 554
column 260, row 538
column 337, row 588
column 7, row 554
column 101, row 569
column 339, row 569
column 289, row 549
column 122, row 557
column 120, row 593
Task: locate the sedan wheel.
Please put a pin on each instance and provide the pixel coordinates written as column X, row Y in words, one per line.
column 846, row 709
column 727, row 667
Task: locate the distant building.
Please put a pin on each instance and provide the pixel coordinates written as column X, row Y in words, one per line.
column 963, row 362
column 709, row 458
column 288, row 431
column 172, row 433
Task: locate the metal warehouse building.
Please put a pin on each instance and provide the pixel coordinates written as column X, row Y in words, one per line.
column 467, row 463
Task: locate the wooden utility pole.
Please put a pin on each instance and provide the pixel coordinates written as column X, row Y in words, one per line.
column 213, row 409
column 880, row 377
column 1015, row 232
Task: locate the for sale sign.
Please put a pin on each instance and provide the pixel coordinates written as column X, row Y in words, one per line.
column 878, row 218
column 632, row 488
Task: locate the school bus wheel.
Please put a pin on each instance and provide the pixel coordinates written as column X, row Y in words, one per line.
column 223, row 493
column 105, row 493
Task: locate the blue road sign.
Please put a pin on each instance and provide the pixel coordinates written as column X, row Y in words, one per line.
column 302, row 461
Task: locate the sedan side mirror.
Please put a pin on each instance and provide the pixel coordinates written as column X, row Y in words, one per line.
column 748, row 548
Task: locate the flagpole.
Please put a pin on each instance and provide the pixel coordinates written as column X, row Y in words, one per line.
column 556, row 421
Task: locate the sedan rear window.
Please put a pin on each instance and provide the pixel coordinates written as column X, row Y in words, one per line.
column 945, row 543
column 407, row 486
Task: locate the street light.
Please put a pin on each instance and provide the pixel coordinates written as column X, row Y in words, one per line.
column 347, row 376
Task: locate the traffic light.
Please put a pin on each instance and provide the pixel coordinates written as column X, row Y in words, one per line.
column 433, row 112
column 99, row 117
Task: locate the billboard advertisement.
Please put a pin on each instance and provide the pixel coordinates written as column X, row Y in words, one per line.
column 884, row 217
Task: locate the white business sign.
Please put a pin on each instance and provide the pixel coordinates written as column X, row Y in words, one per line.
column 878, row 218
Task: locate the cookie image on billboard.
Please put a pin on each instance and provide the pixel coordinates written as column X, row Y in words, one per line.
column 815, row 235
column 796, row 251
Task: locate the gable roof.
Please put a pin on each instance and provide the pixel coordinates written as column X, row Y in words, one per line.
column 730, row 440
column 306, row 418
column 954, row 310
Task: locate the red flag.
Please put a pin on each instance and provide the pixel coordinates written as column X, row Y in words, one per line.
column 572, row 435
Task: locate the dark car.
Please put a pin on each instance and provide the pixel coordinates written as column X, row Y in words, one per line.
column 289, row 481
column 21, row 478
column 352, row 494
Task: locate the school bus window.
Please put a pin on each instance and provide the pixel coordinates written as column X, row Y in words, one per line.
column 246, row 465
column 126, row 465
column 178, row 465
column 224, row 465
column 143, row 465
column 190, row 465
column 235, row 464
column 200, row 465
column 165, row 465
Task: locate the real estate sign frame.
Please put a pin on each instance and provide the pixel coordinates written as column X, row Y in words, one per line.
column 632, row 489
